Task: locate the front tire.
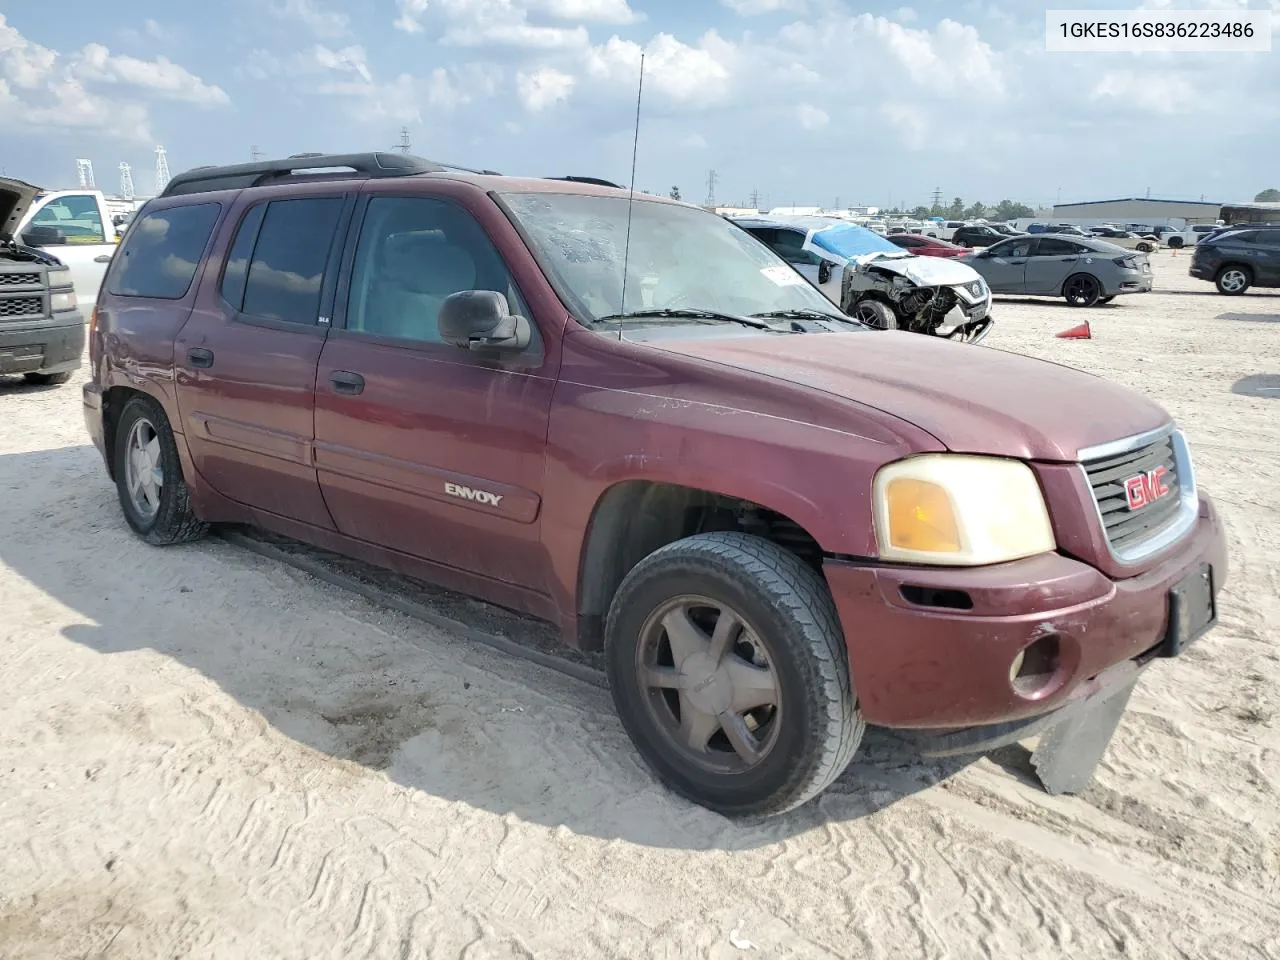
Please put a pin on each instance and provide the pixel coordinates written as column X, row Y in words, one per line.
column 1233, row 280
column 149, row 481
column 1176, row 243
column 1145, row 248
column 728, row 670
column 875, row 314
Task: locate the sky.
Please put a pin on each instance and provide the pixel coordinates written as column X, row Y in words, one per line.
column 795, row 101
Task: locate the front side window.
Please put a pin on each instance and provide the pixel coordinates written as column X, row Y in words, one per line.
column 413, row 253
column 289, row 259
column 75, row 217
column 162, row 251
column 680, row 257
column 1012, row 248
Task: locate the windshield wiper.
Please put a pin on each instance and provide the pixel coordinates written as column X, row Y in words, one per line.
column 803, row 313
column 682, row 313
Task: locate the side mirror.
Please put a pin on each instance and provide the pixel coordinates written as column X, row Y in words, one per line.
column 43, row 237
column 824, row 271
column 481, row 320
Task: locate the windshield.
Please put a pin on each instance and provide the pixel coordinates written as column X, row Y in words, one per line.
column 681, row 258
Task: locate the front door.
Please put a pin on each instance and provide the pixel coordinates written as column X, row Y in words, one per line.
column 1052, row 261
column 422, row 447
column 1004, row 265
column 246, row 359
column 78, row 237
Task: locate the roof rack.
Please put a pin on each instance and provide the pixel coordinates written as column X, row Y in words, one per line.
column 596, row 180
column 366, row 165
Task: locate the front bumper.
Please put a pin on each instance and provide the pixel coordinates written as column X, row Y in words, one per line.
column 91, row 394
column 43, row 346
column 930, row 667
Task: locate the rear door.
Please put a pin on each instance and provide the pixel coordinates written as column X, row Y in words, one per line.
column 246, row 360
column 1267, row 258
column 422, row 447
column 76, row 235
column 1051, row 262
column 1004, row 266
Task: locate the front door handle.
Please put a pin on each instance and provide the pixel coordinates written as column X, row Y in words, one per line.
column 344, row 381
column 102, row 258
column 200, row 357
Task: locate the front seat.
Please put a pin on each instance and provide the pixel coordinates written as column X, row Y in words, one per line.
column 415, row 276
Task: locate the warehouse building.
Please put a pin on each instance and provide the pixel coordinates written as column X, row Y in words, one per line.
column 1139, row 210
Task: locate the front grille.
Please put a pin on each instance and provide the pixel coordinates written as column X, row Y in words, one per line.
column 1107, row 475
column 21, row 306
column 19, row 279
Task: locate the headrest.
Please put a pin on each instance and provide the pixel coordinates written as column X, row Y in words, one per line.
column 427, row 265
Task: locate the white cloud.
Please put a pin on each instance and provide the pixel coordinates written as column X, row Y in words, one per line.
column 506, row 23
column 24, row 64
column 161, row 76
column 155, row 31
column 910, row 123
column 517, row 35
column 811, row 117
column 593, row 11
column 1166, row 93
column 906, row 15
column 348, row 58
column 754, row 8
column 410, row 19
column 698, row 75
column 312, row 15
column 543, row 87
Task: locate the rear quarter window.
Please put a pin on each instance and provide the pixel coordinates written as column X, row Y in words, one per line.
column 161, row 252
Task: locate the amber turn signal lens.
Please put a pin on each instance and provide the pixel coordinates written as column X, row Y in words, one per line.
column 93, row 321
column 921, row 517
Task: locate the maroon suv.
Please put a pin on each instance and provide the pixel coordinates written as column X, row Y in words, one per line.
column 631, row 418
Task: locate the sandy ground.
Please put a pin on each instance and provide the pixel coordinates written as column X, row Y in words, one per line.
column 205, row 754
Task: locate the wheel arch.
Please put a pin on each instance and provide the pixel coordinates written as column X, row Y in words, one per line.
column 114, row 400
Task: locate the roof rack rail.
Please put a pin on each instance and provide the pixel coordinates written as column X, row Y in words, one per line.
column 596, row 180
column 241, row 175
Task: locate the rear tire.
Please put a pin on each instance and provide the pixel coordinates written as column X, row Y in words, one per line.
column 46, row 379
column 875, row 314
column 1145, row 248
column 1082, row 290
column 1233, row 280
column 149, row 481
column 680, row 680
column 1176, row 243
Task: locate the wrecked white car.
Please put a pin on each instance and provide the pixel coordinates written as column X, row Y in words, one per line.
column 878, row 282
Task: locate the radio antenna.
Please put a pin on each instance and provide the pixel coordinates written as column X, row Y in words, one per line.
column 631, row 199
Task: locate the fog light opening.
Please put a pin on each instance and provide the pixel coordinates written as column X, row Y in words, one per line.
column 1033, row 670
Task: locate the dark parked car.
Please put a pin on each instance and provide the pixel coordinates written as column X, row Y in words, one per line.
column 926, row 246
column 753, row 505
column 976, row 235
column 42, row 330
column 1239, row 259
column 1083, row 270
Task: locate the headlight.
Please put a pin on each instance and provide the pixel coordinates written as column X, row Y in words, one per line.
column 960, row 511
column 62, row 301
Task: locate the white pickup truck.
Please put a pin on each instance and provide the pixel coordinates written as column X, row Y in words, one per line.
column 76, row 227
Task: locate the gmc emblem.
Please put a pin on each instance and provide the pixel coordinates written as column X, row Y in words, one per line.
column 1146, row 488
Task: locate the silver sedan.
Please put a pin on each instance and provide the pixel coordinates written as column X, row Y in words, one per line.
column 1083, row 270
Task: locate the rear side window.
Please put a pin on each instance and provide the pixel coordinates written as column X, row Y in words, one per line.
column 161, row 252
column 289, row 259
column 237, row 270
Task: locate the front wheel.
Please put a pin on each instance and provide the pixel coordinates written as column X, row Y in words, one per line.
column 1145, row 248
column 963, row 243
column 1176, row 243
column 1082, row 290
column 728, row 670
column 1233, row 281
column 875, row 314
column 149, row 481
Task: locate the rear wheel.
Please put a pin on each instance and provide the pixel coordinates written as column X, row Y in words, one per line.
column 876, row 314
column 1082, row 290
column 962, row 243
column 728, row 669
column 1233, row 280
column 148, row 470
column 47, row 379
column 1176, row 243
column 1145, row 248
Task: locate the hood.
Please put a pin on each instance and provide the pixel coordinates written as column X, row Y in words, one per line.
column 15, row 197
column 926, row 271
column 973, row 399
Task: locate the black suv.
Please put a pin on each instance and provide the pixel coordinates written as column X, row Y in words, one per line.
column 41, row 329
column 1236, row 260
column 976, row 235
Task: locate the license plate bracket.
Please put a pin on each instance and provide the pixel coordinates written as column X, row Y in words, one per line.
column 1193, row 610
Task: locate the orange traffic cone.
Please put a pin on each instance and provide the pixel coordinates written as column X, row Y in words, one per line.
column 1080, row 332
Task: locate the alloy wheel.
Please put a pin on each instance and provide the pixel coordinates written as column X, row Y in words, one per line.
column 1082, row 289
column 709, row 684
column 1233, row 280
column 144, row 473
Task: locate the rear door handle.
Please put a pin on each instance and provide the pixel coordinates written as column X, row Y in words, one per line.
column 344, row 381
column 102, row 258
column 200, row 357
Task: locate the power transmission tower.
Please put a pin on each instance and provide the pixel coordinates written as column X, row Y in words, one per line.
column 712, row 177
column 255, row 154
column 405, row 145
column 755, row 199
column 162, row 169
column 84, row 170
column 937, row 196
column 126, row 181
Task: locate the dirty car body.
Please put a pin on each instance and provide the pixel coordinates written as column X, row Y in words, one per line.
column 633, row 420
